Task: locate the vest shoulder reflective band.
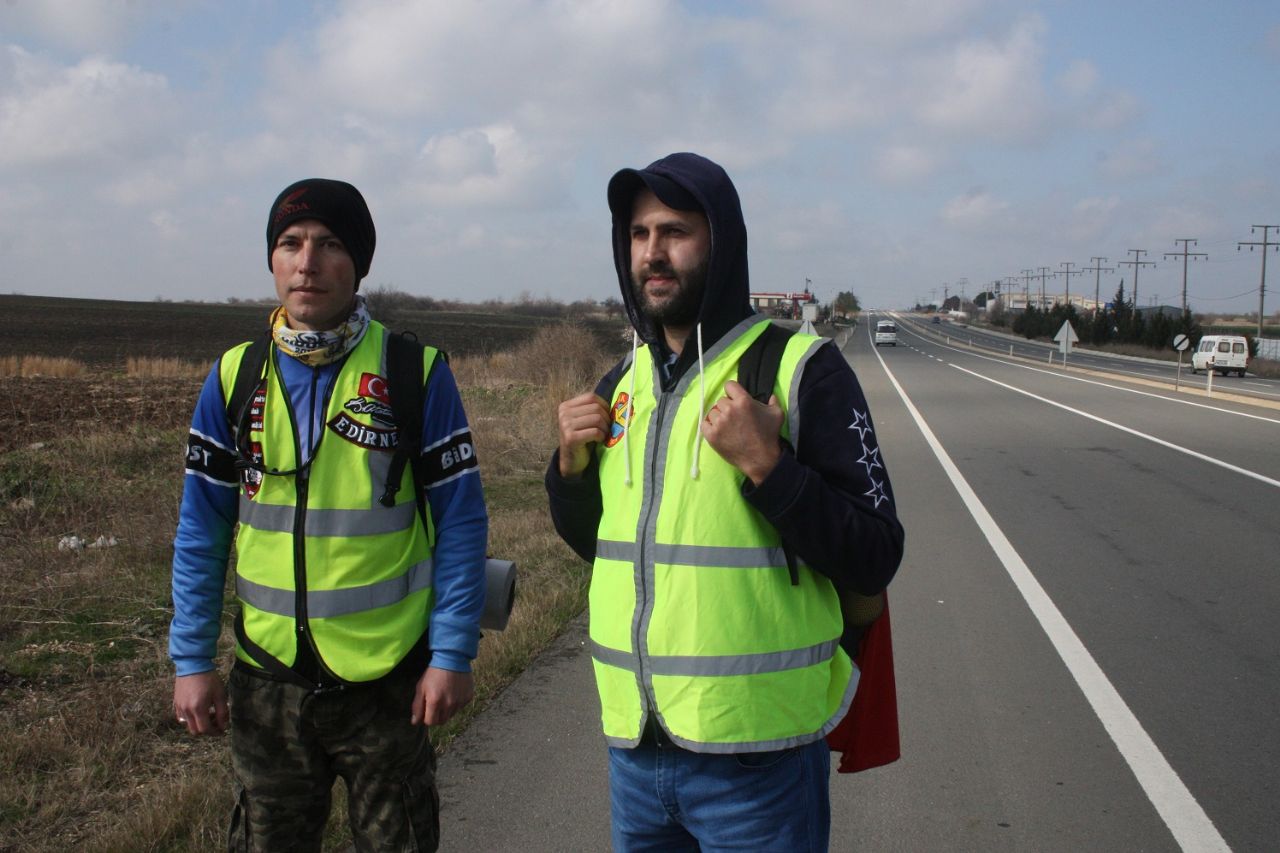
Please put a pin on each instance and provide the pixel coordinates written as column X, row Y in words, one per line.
column 317, row 554
column 693, row 614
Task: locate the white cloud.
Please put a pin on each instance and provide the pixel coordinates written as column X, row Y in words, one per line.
column 905, row 164
column 991, row 89
column 1129, row 159
column 88, row 25
column 483, row 166
column 884, row 24
column 1090, row 219
column 1080, row 79
column 974, row 209
column 92, row 111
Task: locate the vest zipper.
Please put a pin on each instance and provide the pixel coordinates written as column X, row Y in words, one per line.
column 653, row 442
column 301, row 488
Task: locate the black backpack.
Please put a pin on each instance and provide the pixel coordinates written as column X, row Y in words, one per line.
column 757, row 372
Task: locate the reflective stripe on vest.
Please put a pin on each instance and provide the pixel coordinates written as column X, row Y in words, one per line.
column 356, row 573
column 693, row 615
column 325, row 604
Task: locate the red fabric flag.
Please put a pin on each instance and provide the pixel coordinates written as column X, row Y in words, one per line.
column 868, row 735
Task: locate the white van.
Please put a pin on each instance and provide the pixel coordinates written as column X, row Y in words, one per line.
column 1225, row 352
column 886, row 333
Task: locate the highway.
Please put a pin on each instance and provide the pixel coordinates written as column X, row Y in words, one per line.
column 1084, row 618
column 1083, row 629
column 1163, row 373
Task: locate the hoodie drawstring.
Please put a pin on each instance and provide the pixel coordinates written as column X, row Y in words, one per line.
column 631, row 407
column 702, row 411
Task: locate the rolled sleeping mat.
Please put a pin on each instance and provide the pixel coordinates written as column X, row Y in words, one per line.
column 499, row 593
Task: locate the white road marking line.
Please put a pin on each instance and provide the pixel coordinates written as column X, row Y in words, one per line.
column 1262, row 478
column 1191, row 827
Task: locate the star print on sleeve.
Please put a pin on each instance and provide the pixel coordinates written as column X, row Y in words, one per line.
column 862, row 423
column 876, row 493
column 871, row 459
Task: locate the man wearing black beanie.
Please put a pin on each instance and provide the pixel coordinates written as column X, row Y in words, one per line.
column 359, row 612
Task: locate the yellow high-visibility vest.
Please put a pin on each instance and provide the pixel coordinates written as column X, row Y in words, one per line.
column 317, row 554
column 693, row 614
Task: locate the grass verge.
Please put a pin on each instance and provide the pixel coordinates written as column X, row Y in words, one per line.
column 89, row 755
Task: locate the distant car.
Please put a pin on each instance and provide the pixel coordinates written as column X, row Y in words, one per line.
column 936, row 320
column 886, row 333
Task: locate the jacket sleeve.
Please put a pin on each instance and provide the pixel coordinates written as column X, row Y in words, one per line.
column 576, row 505
column 456, row 501
column 830, row 499
column 206, row 519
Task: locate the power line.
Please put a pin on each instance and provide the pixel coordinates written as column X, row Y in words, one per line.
column 1044, row 273
column 1222, row 298
column 1098, row 269
column 1184, row 254
column 1262, row 286
column 1137, row 263
column 1068, row 272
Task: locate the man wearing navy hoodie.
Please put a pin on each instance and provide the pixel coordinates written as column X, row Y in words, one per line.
column 715, row 613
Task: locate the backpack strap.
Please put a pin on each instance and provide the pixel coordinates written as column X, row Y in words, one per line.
column 248, row 377
column 757, row 372
column 758, row 367
column 406, row 385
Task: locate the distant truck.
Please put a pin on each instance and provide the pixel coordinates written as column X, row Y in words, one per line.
column 1225, row 352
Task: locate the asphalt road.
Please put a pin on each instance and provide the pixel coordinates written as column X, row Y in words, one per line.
column 1143, row 369
column 1082, row 629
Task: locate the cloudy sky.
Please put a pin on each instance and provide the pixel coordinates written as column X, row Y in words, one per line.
column 888, row 148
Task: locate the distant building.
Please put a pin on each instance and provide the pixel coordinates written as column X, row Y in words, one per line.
column 1017, row 301
column 786, row 305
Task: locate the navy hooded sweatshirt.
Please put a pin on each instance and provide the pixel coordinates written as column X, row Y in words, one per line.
column 831, row 502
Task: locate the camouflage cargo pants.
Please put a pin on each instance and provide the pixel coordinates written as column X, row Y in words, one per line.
column 288, row 745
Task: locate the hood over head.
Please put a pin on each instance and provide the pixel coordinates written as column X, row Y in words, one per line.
column 687, row 181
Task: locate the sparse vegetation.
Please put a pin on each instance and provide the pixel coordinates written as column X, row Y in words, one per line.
column 89, row 754
column 167, row 368
column 31, row 366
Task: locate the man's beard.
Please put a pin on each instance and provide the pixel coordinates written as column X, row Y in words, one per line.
column 683, row 307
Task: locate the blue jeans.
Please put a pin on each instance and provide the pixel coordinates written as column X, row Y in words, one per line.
column 667, row 799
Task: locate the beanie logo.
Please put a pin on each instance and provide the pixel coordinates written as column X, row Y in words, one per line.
column 290, row 205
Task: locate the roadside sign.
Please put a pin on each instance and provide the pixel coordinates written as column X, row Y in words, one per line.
column 1067, row 333
column 1065, row 338
column 1180, row 343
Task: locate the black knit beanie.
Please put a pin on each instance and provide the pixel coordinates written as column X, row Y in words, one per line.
column 335, row 203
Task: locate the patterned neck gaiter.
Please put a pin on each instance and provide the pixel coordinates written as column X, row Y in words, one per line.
column 317, row 348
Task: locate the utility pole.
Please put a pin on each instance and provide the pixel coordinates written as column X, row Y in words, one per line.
column 1068, row 272
column 1137, row 263
column 1184, row 254
column 1265, row 244
column 1097, row 269
column 1026, row 275
column 1044, row 273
